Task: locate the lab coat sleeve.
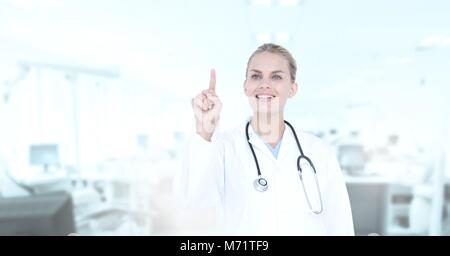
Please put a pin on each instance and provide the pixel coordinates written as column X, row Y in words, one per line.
column 338, row 215
column 200, row 181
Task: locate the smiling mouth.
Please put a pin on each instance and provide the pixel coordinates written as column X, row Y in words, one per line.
column 265, row 96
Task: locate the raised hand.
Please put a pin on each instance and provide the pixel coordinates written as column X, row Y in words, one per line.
column 207, row 107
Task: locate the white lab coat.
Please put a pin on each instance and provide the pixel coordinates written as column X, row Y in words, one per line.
column 221, row 173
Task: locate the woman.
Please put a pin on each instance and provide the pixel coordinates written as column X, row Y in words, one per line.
column 263, row 174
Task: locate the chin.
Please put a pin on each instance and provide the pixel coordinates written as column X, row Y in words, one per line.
column 265, row 109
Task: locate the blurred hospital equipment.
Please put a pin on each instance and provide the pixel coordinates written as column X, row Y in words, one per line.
column 352, row 158
column 45, row 155
column 403, row 198
column 46, row 214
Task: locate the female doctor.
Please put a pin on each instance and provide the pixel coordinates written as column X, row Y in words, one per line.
column 267, row 176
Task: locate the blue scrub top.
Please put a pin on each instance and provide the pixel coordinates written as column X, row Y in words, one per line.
column 274, row 150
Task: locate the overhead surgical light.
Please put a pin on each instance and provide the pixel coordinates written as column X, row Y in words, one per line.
column 289, row 2
column 261, row 2
column 282, row 37
column 262, row 38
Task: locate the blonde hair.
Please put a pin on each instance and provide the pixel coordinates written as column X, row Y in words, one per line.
column 276, row 49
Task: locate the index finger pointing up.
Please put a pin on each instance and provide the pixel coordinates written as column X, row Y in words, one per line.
column 212, row 81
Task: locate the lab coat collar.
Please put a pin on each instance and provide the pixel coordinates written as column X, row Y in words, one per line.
column 287, row 143
column 285, row 147
column 258, row 143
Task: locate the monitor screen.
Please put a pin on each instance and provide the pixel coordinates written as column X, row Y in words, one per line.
column 44, row 154
column 352, row 158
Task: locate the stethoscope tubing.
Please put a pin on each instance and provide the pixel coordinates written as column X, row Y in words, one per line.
column 261, row 183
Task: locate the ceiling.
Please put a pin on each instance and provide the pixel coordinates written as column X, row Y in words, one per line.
column 350, row 52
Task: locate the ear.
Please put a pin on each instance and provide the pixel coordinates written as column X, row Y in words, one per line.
column 293, row 90
column 245, row 87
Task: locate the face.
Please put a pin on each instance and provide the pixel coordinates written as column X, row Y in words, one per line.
column 268, row 84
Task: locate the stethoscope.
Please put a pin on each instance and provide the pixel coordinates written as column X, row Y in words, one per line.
column 261, row 184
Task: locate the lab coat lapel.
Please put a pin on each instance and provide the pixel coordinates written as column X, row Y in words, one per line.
column 288, row 145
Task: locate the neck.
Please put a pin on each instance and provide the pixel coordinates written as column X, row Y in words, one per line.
column 270, row 127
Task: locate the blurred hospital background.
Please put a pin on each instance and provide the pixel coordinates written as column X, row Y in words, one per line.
column 95, row 105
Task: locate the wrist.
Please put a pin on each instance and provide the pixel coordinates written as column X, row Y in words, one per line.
column 204, row 132
column 206, row 136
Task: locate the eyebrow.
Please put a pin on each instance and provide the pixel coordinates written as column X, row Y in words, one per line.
column 276, row 71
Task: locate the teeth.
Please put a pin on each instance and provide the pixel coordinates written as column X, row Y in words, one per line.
column 264, row 96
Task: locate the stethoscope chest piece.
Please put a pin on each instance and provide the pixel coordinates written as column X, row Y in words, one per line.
column 261, row 184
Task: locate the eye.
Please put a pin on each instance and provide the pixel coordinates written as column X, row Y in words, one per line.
column 255, row 76
column 276, row 77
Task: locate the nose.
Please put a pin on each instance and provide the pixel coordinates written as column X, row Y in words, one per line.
column 264, row 85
